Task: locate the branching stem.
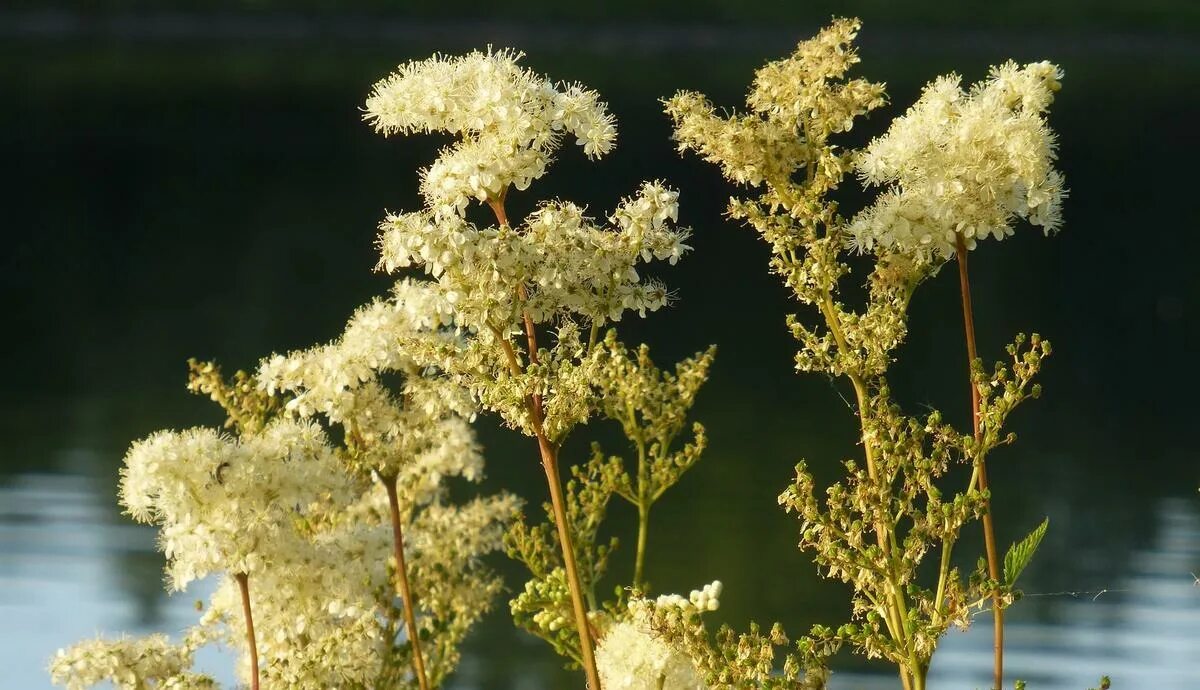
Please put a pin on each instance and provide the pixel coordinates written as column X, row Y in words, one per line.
column 912, row 674
column 549, row 457
column 642, row 538
column 897, row 611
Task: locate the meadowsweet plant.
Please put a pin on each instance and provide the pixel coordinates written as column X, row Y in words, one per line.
column 305, row 532
column 323, row 503
column 529, row 302
column 960, row 166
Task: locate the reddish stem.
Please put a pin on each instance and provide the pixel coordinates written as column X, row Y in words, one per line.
column 410, row 620
column 243, row 581
column 989, row 531
column 550, row 465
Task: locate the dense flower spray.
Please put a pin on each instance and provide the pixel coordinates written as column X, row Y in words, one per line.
column 510, row 121
column 521, row 296
column 129, row 664
column 407, row 440
column 965, row 164
column 207, row 492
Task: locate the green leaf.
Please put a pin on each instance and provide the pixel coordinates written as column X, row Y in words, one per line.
column 1020, row 553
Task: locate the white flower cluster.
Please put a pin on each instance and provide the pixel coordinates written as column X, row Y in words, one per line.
column 320, row 582
column 324, row 622
column 572, row 265
column 228, row 504
column 965, row 164
column 511, row 121
column 325, row 379
column 127, row 663
column 321, row 618
column 559, row 268
column 631, row 657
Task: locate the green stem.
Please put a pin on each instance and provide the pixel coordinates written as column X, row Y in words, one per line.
column 884, row 535
column 643, row 500
column 912, row 676
column 943, row 575
column 918, row 675
column 897, row 612
column 643, row 535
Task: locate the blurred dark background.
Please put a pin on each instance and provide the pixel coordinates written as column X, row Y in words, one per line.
column 194, row 179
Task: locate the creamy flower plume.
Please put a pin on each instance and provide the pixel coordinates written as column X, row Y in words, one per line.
column 511, row 121
column 325, row 379
column 558, row 269
column 795, row 103
column 965, row 163
column 316, row 616
column 324, row 614
column 228, row 504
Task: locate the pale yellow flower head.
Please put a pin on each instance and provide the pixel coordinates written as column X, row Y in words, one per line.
column 795, row 104
column 570, row 263
column 633, row 657
column 128, row 663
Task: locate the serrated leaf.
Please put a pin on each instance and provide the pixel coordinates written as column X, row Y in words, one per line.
column 1020, row 553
